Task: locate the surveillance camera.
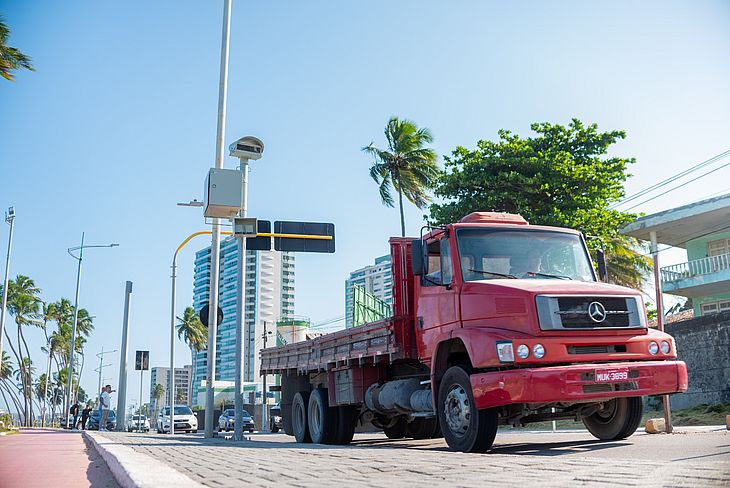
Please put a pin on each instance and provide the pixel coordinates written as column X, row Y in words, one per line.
column 248, row 147
column 11, row 212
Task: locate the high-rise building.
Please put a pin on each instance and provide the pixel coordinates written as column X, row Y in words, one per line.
column 269, row 297
column 377, row 279
column 183, row 385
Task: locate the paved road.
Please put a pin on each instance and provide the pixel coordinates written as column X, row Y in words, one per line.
column 47, row 458
column 689, row 458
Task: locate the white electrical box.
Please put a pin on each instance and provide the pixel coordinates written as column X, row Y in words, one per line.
column 223, row 193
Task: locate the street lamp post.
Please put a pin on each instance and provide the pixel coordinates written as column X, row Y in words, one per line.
column 10, row 219
column 101, row 367
column 69, row 379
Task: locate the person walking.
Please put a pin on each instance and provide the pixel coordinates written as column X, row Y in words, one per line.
column 105, row 400
column 85, row 415
column 74, row 410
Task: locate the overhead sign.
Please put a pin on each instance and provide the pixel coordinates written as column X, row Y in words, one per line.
column 205, row 312
column 261, row 243
column 142, row 362
column 305, row 236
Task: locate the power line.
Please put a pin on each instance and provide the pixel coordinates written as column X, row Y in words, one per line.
column 671, row 179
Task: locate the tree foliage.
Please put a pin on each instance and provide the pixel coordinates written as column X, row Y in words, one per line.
column 11, row 59
column 561, row 176
column 406, row 166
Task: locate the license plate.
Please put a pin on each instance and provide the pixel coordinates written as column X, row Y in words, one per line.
column 614, row 375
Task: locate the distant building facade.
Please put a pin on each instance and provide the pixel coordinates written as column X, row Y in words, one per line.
column 183, row 385
column 269, row 297
column 377, row 279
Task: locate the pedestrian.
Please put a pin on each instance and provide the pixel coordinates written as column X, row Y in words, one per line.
column 85, row 415
column 105, row 399
column 74, row 410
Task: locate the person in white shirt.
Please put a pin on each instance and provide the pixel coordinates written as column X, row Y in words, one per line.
column 105, row 401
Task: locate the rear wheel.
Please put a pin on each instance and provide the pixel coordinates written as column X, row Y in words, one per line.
column 464, row 427
column 299, row 417
column 398, row 430
column 618, row 419
column 322, row 418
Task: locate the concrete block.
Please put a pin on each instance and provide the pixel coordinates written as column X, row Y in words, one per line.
column 655, row 426
column 727, row 421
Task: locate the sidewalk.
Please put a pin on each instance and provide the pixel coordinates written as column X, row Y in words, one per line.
column 44, row 458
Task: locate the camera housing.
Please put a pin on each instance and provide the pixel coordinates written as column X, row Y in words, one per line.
column 248, row 147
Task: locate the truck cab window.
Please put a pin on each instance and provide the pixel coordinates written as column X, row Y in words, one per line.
column 440, row 271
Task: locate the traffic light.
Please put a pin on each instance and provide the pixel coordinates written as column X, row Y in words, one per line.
column 303, row 244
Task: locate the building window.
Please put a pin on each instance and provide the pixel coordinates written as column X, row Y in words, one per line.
column 715, row 307
column 718, row 247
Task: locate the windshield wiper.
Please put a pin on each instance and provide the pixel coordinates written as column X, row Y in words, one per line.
column 560, row 277
column 493, row 273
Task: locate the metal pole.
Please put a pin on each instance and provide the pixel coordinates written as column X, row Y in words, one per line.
column 69, row 379
column 171, row 375
column 141, row 382
column 10, row 219
column 122, row 397
column 241, row 315
column 215, row 243
column 101, row 366
column 264, row 398
column 660, row 321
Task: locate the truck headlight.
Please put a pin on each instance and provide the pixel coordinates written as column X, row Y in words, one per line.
column 523, row 351
column 538, row 350
column 665, row 347
column 653, row 348
column 505, row 351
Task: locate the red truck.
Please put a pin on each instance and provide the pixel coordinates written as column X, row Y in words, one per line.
column 495, row 322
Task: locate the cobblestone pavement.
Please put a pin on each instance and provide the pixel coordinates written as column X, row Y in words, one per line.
column 690, row 458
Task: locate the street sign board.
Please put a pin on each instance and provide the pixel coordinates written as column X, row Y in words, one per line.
column 142, row 362
column 302, row 244
column 204, row 312
column 262, row 243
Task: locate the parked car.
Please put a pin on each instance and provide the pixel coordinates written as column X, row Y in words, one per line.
column 275, row 424
column 185, row 420
column 95, row 418
column 226, row 420
column 138, row 422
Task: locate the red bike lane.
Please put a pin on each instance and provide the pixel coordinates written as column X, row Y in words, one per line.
column 46, row 457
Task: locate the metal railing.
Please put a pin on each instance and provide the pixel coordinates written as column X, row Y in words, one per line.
column 695, row 267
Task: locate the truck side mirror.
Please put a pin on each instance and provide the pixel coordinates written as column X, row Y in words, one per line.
column 601, row 258
column 417, row 257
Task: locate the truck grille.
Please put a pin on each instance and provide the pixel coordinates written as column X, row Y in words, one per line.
column 605, row 349
column 589, row 312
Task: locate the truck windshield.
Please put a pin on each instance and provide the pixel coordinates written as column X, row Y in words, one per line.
column 488, row 254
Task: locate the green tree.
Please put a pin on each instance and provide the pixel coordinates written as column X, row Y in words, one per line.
column 561, row 177
column 406, row 166
column 158, row 392
column 11, row 59
column 8, row 386
column 192, row 330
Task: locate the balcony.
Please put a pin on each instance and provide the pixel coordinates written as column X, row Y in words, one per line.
column 700, row 277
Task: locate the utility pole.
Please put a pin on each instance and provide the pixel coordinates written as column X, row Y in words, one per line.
column 241, row 315
column 215, row 242
column 10, row 219
column 122, row 396
column 264, row 397
column 660, row 322
column 101, row 367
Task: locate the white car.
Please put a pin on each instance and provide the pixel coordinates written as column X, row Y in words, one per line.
column 185, row 420
column 138, row 422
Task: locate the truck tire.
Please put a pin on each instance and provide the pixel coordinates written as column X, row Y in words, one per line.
column 398, row 430
column 346, row 423
column 465, row 428
column 619, row 419
column 322, row 418
column 422, row 428
column 299, row 422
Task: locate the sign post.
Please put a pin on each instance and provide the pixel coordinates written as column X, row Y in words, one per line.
column 142, row 363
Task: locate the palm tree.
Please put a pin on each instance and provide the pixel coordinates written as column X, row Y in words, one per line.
column 626, row 266
column 406, row 166
column 11, row 59
column 7, row 384
column 192, row 331
column 158, row 392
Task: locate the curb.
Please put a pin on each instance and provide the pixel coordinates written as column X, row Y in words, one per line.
column 134, row 470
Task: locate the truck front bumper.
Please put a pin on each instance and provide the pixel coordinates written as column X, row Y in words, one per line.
column 576, row 383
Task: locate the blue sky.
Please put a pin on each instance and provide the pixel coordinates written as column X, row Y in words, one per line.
column 118, row 122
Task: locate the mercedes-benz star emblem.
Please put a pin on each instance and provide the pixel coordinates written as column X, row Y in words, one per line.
column 597, row 312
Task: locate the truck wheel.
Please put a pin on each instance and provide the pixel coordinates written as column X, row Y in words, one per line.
column 323, row 419
column 618, row 419
column 299, row 417
column 398, row 430
column 465, row 428
column 346, row 423
column 422, row 428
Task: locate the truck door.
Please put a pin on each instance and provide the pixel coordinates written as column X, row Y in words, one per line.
column 437, row 308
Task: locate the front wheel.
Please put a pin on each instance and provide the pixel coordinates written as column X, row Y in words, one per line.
column 465, row 428
column 618, row 419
